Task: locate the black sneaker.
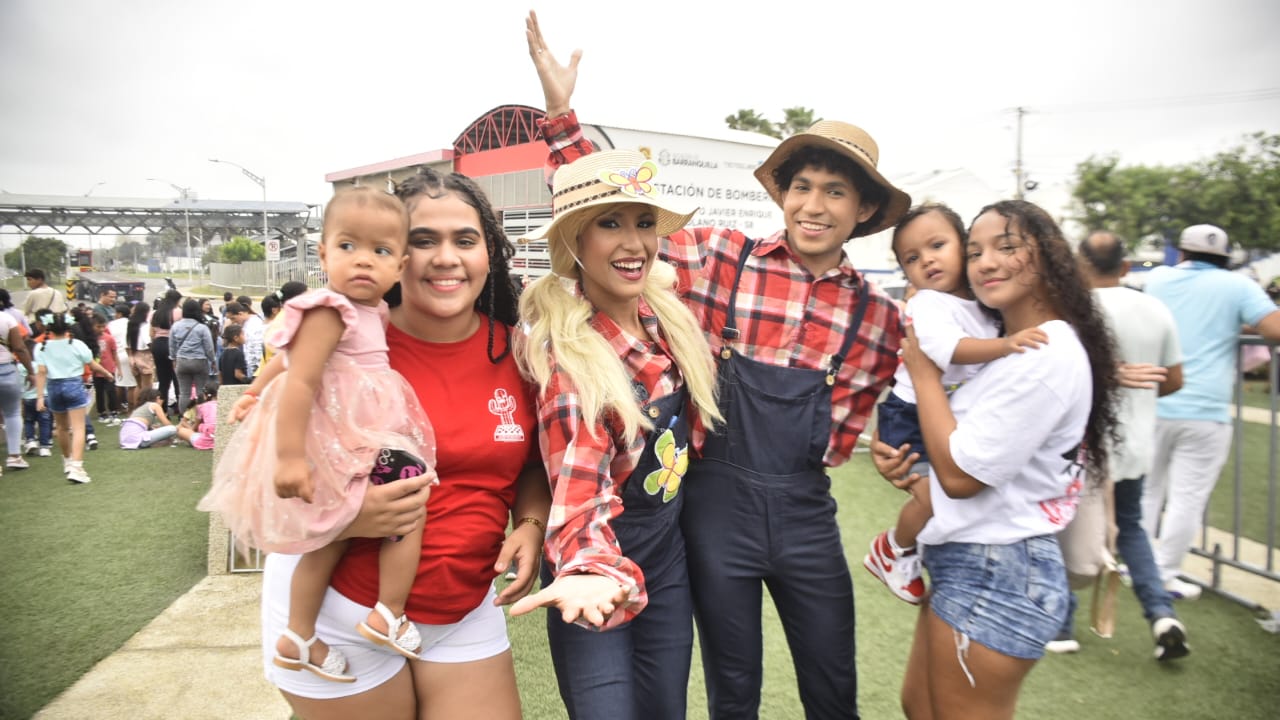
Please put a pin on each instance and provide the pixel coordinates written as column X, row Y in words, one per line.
column 91, row 441
column 1171, row 639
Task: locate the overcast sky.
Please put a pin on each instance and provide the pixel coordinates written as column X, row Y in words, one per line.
column 116, row 92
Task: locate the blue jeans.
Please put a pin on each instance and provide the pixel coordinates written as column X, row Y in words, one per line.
column 32, row 420
column 1135, row 547
column 11, row 406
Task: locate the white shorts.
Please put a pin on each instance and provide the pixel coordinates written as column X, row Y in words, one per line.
column 481, row 634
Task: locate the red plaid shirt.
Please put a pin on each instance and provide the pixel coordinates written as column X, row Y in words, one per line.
column 588, row 472
column 785, row 316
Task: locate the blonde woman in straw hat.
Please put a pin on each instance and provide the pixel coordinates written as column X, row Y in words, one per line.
column 623, row 372
column 805, row 347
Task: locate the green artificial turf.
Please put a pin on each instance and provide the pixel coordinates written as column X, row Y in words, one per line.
column 84, row 567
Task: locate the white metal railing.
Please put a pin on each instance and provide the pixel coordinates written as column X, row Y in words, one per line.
column 1234, row 556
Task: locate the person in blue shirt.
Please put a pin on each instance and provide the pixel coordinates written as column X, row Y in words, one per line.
column 1210, row 304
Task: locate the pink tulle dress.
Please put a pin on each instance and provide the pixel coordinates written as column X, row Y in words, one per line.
column 361, row 406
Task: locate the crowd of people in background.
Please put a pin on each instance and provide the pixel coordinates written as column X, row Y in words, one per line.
column 153, row 370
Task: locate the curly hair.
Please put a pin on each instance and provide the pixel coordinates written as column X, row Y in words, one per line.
column 869, row 190
column 1069, row 296
column 498, row 299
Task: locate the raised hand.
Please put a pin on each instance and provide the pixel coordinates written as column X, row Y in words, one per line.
column 557, row 80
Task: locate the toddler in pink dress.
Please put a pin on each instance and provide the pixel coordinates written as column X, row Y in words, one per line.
column 324, row 419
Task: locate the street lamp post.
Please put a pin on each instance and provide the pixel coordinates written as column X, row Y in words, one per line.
column 184, row 194
column 262, row 182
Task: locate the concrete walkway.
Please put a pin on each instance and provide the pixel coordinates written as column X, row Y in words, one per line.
column 200, row 659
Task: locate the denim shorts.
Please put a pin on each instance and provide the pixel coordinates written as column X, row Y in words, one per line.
column 1011, row 598
column 67, row 394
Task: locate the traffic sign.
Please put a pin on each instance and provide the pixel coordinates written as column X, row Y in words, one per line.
column 273, row 249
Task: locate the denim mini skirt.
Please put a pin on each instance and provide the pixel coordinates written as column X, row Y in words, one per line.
column 1010, row 598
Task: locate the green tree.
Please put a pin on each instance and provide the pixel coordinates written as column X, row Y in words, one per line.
column 241, row 249
column 129, row 251
column 794, row 120
column 48, row 254
column 1238, row 189
column 752, row 121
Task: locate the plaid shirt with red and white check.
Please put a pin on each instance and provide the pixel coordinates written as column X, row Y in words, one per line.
column 589, row 463
column 785, row 316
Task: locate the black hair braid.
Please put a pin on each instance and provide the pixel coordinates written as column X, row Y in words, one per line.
column 1070, row 297
column 506, row 347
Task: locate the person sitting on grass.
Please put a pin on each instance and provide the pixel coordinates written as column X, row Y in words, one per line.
column 202, row 417
column 149, row 425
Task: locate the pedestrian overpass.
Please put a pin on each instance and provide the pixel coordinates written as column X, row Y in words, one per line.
column 64, row 215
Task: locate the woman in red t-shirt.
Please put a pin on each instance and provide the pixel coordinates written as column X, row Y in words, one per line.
column 450, row 335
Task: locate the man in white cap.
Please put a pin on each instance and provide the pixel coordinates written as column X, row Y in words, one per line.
column 804, row 347
column 1193, row 430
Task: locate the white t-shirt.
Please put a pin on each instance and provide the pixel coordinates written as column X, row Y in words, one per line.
column 1020, row 422
column 7, row 323
column 122, row 340
column 1145, row 333
column 119, row 329
column 942, row 320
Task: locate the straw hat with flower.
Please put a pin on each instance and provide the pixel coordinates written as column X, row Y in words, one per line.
column 602, row 178
column 850, row 141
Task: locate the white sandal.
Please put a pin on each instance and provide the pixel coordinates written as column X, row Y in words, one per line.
column 335, row 663
column 407, row 644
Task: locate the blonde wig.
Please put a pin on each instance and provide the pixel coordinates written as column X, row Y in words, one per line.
column 557, row 319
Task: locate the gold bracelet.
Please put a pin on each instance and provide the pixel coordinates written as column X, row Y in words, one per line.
column 532, row 521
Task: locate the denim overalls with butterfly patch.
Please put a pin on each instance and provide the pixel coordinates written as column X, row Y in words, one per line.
column 639, row 670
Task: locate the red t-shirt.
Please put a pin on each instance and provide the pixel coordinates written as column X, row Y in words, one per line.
column 484, row 417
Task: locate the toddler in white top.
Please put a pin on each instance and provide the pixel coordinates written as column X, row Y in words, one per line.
column 959, row 336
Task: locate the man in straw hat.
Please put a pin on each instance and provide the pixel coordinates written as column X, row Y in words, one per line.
column 805, row 346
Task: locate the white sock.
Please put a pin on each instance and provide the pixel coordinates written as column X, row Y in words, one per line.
column 898, row 549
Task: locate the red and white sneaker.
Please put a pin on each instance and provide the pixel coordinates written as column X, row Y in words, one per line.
column 900, row 573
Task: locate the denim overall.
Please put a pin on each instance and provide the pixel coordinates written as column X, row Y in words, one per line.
column 640, row 670
column 759, row 508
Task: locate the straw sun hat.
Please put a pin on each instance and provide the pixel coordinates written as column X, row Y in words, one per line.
column 849, row 140
column 601, row 178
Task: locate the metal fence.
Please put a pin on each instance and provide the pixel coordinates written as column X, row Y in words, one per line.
column 1254, row 555
column 252, row 275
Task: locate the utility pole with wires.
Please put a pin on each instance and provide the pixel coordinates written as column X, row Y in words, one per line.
column 1018, row 173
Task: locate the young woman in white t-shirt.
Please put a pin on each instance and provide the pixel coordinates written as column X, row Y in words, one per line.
column 959, row 335
column 1007, row 460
